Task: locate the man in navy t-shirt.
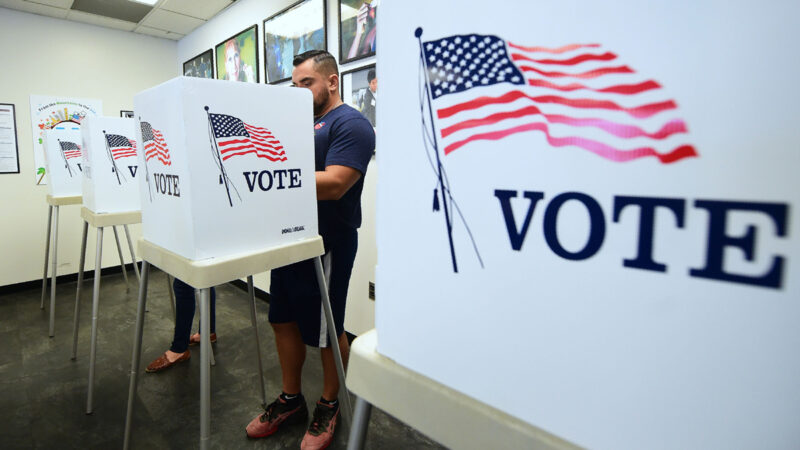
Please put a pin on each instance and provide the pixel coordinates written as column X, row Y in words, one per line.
column 343, row 142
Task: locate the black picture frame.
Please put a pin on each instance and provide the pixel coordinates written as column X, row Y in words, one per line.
column 252, row 55
column 351, row 22
column 16, row 135
column 126, row 114
column 277, row 63
column 207, row 57
column 352, row 95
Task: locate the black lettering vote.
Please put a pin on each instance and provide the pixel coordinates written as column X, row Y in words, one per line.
column 294, row 178
column 175, row 186
column 504, row 196
column 266, row 179
column 261, row 180
column 718, row 240
column 647, row 207
column 79, row 166
column 133, row 170
column 279, row 175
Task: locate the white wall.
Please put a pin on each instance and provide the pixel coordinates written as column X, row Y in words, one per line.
column 360, row 315
column 56, row 57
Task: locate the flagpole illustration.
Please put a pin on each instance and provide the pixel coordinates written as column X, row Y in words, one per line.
column 448, row 223
column 144, row 156
column 111, row 157
column 218, row 160
column 66, row 163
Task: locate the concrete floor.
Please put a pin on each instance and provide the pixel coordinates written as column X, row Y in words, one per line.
column 43, row 392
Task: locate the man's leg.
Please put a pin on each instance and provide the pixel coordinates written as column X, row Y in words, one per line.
column 291, row 354
column 330, row 387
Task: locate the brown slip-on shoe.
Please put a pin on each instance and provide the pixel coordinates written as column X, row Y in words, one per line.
column 195, row 338
column 162, row 363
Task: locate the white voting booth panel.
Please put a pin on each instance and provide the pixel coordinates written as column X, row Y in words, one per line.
column 110, row 165
column 63, row 150
column 226, row 167
column 623, row 264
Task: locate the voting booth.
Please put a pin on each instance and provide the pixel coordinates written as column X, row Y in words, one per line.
column 226, row 167
column 63, row 158
column 110, row 165
column 588, row 216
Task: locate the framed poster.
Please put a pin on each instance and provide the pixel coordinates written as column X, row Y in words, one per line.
column 296, row 29
column 360, row 90
column 201, row 66
column 126, row 114
column 237, row 56
column 357, row 29
column 9, row 147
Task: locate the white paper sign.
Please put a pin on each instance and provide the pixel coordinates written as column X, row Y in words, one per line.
column 63, row 159
column 228, row 167
column 587, row 215
column 48, row 112
column 110, row 165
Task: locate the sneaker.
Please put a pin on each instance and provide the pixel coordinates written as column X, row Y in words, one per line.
column 320, row 431
column 277, row 413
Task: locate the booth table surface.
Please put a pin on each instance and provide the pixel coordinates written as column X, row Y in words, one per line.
column 443, row 414
column 60, row 201
column 100, row 220
column 215, row 271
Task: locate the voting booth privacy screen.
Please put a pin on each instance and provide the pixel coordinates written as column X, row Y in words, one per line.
column 226, row 168
column 110, row 165
column 63, row 158
column 588, row 215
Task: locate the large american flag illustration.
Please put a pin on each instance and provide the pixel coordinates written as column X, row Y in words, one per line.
column 154, row 144
column 70, row 149
column 578, row 95
column 121, row 147
column 235, row 137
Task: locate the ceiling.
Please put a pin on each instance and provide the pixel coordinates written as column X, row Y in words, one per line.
column 169, row 19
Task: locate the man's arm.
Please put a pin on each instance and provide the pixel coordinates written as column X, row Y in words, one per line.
column 335, row 181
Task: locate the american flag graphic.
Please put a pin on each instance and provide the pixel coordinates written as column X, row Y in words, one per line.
column 121, row 147
column 154, row 144
column 70, row 149
column 578, row 95
column 235, row 137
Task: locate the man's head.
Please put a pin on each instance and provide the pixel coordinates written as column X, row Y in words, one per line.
column 317, row 71
column 232, row 59
column 372, row 80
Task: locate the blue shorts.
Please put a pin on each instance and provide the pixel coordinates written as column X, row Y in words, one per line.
column 294, row 291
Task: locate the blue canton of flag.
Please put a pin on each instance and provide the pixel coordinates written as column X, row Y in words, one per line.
column 458, row 63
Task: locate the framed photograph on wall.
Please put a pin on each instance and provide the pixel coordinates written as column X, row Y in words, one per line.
column 201, row 66
column 357, row 30
column 125, row 114
column 237, row 56
column 360, row 90
column 296, row 29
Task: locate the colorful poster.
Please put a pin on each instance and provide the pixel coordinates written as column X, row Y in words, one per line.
column 49, row 111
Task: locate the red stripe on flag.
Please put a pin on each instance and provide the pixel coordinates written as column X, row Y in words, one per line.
column 590, row 74
column 624, row 89
column 555, row 50
column 607, row 56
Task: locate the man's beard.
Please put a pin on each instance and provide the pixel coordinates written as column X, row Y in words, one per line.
column 320, row 103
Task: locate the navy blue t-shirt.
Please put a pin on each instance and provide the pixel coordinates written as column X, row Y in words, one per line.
column 343, row 137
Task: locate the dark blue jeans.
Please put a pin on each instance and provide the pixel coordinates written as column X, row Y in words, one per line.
column 184, row 315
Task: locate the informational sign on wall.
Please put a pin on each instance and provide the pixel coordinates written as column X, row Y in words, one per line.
column 47, row 112
column 588, row 216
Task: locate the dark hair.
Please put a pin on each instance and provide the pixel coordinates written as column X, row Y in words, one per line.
column 324, row 62
column 370, row 75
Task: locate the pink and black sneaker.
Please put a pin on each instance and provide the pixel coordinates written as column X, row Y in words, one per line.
column 281, row 411
column 320, row 431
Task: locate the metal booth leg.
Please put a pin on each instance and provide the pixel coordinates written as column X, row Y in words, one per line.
column 204, row 336
column 133, row 254
column 54, row 277
column 98, row 259
column 76, row 319
column 137, row 352
column 46, row 254
column 205, row 368
column 344, row 396
column 358, row 431
column 251, row 290
column 121, row 259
